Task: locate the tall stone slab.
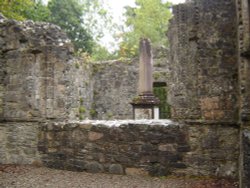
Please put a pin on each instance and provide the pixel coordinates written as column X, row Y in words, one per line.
column 145, row 104
column 145, row 68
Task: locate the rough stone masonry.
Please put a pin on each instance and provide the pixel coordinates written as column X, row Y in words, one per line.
column 43, row 86
column 210, row 74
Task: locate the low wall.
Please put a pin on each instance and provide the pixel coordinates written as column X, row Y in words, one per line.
column 18, row 143
column 134, row 147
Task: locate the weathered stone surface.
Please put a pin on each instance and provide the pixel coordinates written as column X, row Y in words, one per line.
column 38, row 57
column 136, row 172
column 167, row 147
column 209, row 80
column 246, row 158
column 116, row 169
column 115, row 85
column 92, row 136
column 243, row 42
column 145, row 67
column 94, row 167
column 18, row 143
column 160, row 147
column 203, row 81
column 56, row 85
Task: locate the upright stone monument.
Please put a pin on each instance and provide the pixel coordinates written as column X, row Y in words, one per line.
column 145, row 105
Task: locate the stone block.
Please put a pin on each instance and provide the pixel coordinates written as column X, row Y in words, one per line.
column 93, row 136
column 209, row 103
column 86, row 126
column 50, row 136
column 78, row 136
column 116, row 169
column 159, row 170
column 167, row 147
column 136, row 172
column 213, row 114
column 94, row 167
column 184, row 148
column 229, row 169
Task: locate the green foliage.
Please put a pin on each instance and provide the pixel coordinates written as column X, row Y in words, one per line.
column 101, row 53
column 77, row 66
column 16, row 9
column 149, row 19
column 109, row 115
column 81, row 101
column 156, row 75
column 78, row 18
column 93, row 113
column 39, row 12
column 165, row 110
column 82, row 109
column 81, row 117
column 97, row 21
column 68, row 15
column 24, row 9
column 95, row 17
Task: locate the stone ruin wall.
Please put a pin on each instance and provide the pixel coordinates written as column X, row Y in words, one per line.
column 243, row 26
column 210, row 73
column 203, row 37
column 115, row 85
column 159, row 148
column 208, row 82
column 116, row 82
column 39, row 76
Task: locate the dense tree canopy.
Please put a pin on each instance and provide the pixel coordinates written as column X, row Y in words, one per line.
column 148, row 19
column 85, row 22
column 68, row 15
column 38, row 12
column 16, row 9
column 78, row 18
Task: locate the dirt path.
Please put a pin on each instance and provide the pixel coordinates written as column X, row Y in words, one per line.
column 33, row 177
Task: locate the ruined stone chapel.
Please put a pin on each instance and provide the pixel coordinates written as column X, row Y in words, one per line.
column 47, row 97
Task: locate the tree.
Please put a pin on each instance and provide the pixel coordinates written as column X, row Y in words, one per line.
column 78, row 18
column 16, row 9
column 148, row 19
column 101, row 53
column 68, row 15
column 98, row 21
column 38, row 12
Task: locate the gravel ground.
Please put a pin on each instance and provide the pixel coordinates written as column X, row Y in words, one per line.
column 40, row 177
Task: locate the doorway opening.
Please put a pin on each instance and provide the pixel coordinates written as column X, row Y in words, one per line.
column 160, row 91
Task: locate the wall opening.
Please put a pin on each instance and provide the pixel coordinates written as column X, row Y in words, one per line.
column 160, row 91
